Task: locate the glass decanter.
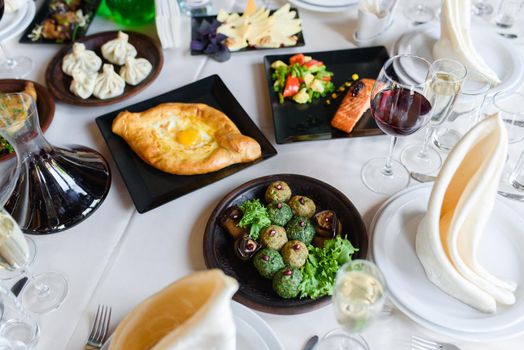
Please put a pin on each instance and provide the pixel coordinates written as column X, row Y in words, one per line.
column 51, row 188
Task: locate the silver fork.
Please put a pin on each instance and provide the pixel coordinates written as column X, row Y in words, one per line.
column 100, row 329
column 418, row 343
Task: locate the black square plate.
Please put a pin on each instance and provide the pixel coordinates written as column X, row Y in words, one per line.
column 307, row 122
column 149, row 187
column 88, row 8
column 197, row 20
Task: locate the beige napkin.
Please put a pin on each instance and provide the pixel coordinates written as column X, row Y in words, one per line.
column 193, row 313
column 455, row 40
column 461, row 201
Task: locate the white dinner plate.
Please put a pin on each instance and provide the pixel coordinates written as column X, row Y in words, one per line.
column 502, row 57
column 10, row 20
column 253, row 333
column 312, row 6
column 501, row 251
column 22, row 24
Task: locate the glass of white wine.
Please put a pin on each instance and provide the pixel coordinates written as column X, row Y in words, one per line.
column 446, row 82
column 42, row 292
column 358, row 297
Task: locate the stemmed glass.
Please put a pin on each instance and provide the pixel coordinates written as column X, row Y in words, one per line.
column 18, row 329
column 13, row 67
column 358, row 297
column 42, row 292
column 419, row 13
column 399, row 109
column 447, row 78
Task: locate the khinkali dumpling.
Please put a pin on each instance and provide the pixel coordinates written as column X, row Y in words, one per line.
column 116, row 50
column 81, row 58
column 108, row 84
column 83, row 83
column 13, row 5
column 135, row 70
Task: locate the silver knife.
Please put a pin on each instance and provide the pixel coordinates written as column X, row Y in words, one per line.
column 310, row 344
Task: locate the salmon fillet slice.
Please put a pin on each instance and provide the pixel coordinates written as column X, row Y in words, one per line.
column 353, row 106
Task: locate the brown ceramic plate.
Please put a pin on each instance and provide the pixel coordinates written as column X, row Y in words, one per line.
column 58, row 82
column 255, row 291
column 44, row 103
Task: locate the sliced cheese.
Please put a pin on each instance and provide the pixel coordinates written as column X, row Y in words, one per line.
column 257, row 28
column 461, row 201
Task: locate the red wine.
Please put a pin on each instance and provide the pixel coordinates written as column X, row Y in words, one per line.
column 400, row 111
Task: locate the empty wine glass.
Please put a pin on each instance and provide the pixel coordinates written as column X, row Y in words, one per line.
column 42, row 292
column 419, row 13
column 358, row 297
column 399, row 109
column 18, row 329
column 465, row 114
column 13, row 67
column 447, row 78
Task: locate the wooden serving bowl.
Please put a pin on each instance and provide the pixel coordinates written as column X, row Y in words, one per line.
column 45, row 104
column 255, row 291
column 58, row 82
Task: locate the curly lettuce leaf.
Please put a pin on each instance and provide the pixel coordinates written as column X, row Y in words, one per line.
column 255, row 216
column 320, row 270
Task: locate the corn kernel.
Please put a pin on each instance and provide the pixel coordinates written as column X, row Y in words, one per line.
column 354, row 76
column 342, row 88
column 334, row 95
column 328, row 102
column 347, row 83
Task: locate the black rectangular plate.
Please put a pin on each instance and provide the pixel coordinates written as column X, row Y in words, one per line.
column 196, row 20
column 149, row 187
column 307, row 122
column 44, row 12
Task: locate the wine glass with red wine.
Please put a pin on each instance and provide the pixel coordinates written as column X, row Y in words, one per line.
column 400, row 108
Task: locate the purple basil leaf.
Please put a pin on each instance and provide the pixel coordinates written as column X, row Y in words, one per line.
column 197, row 45
column 222, row 55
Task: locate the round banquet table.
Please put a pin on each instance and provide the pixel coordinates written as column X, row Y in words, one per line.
column 118, row 257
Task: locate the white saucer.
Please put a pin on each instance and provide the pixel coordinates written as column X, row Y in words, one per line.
column 312, row 6
column 10, row 20
column 502, row 57
column 22, row 24
column 253, row 333
column 501, row 251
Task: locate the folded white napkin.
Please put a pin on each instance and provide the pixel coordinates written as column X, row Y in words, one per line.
column 379, row 8
column 455, row 40
column 168, row 20
column 461, row 201
column 193, row 313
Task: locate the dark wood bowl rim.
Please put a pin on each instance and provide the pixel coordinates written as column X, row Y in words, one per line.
column 94, row 102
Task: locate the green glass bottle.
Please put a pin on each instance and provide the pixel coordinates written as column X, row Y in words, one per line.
column 131, row 12
column 103, row 10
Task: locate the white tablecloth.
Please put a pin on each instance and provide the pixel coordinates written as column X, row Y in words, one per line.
column 118, row 257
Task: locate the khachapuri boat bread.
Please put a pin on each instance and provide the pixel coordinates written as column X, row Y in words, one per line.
column 185, row 138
